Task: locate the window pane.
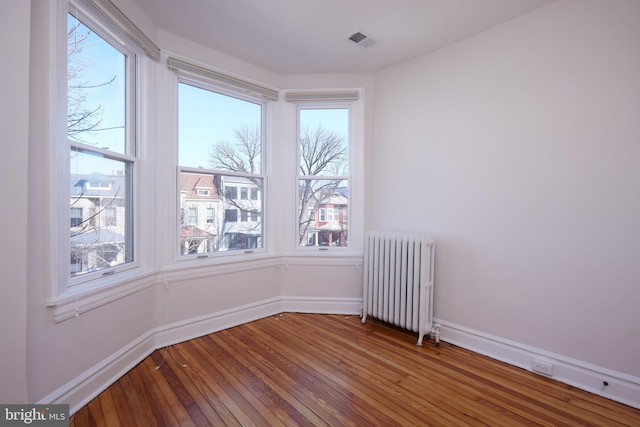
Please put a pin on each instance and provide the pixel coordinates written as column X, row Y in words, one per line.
column 218, row 131
column 224, row 225
column 96, row 106
column 324, row 142
column 101, row 227
column 322, row 212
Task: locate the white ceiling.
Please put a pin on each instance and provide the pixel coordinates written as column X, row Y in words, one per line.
column 310, row 36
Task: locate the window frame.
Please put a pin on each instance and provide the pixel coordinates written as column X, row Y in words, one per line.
column 353, row 169
column 130, row 157
column 230, row 91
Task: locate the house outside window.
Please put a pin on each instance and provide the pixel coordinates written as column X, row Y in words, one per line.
column 197, row 235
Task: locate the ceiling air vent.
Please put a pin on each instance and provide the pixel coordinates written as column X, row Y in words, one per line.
column 360, row 39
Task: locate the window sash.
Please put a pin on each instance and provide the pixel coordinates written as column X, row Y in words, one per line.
column 97, row 230
column 234, row 234
column 102, row 259
column 319, row 223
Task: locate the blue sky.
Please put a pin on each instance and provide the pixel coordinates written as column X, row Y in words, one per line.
column 101, row 70
column 204, row 117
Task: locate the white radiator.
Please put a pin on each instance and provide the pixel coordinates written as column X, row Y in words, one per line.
column 398, row 281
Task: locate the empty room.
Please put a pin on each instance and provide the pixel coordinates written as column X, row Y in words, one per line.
column 203, row 201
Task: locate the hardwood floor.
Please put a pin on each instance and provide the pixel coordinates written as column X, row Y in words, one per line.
column 331, row 370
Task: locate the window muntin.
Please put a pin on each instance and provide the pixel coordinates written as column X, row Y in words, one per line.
column 220, row 135
column 323, row 180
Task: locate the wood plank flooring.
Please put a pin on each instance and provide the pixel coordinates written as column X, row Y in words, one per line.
column 331, row 370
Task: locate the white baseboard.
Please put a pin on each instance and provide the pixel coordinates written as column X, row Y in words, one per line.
column 321, row 305
column 199, row 326
column 82, row 389
column 621, row 387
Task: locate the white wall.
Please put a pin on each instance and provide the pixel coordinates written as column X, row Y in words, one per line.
column 519, row 150
column 14, row 110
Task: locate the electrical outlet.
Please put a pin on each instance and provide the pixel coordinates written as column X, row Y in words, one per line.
column 541, row 367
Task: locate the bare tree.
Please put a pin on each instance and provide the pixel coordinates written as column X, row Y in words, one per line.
column 243, row 154
column 322, row 152
column 81, row 119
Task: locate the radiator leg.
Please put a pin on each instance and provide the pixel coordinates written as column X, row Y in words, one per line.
column 420, row 339
column 436, row 334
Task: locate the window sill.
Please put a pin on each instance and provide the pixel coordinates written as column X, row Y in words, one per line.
column 187, row 269
column 82, row 298
column 312, row 259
